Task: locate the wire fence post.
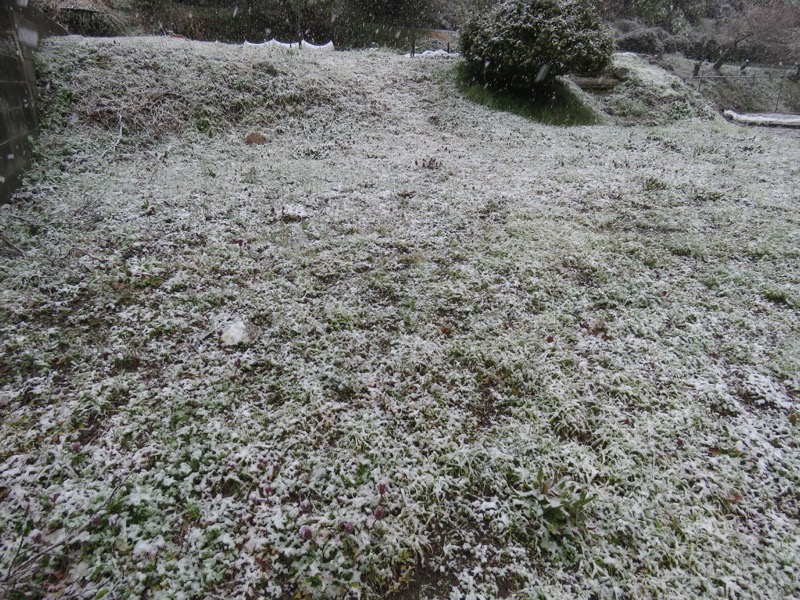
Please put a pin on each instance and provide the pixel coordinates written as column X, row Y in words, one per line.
column 780, row 91
column 754, row 80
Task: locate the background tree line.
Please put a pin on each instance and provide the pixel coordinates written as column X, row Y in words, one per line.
column 314, row 20
column 708, row 29
column 715, row 30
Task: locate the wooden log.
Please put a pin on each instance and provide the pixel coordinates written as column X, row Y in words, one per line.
column 588, row 83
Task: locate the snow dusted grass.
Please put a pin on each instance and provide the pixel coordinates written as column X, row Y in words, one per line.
column 487, row 357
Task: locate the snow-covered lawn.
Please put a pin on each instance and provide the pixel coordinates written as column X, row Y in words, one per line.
column 480, row 357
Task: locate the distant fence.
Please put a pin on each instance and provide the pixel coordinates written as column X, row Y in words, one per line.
column 21, row 28
column 784, row 72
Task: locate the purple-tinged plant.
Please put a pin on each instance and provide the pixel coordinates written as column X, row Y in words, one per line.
column 348, row 526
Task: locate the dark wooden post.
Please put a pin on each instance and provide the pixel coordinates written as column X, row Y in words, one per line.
column 20, row 30
column 18, row 118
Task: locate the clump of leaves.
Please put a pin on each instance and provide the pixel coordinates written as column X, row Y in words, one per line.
column 777, row 295
column 653, row 184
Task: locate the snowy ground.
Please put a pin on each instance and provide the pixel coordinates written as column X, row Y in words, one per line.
column 481, row 357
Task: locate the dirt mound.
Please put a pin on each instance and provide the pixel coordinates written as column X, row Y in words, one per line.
column 648, row 95
column 86, row 17
column 149, row 88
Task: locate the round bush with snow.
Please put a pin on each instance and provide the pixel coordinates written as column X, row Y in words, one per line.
column 524, row 43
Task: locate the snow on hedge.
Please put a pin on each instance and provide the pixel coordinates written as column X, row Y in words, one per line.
column 406, row 345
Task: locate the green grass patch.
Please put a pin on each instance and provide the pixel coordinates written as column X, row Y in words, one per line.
column 778, row 296
column 553, row 104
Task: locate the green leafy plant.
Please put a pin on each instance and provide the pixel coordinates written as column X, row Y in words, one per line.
column 526, row 43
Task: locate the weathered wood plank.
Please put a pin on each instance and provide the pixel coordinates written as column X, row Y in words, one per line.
column 596, row 82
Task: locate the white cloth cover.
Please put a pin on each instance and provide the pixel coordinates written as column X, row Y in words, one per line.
column 775, row 120
column 276, row 46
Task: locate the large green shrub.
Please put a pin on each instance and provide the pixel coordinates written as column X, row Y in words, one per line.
column 525, row 43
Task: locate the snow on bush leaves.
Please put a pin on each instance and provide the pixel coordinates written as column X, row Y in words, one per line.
column 524, row 43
